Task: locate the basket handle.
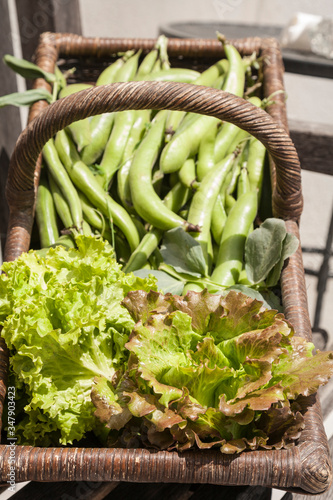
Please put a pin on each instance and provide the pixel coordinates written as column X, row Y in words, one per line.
column 20, row 191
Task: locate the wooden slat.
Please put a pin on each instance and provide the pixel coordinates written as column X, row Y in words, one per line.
column 10, row 122
column 34, row 17
column 38, row 16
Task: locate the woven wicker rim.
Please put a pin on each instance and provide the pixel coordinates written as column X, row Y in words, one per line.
column 307, row 466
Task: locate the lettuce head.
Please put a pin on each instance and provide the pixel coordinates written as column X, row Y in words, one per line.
column 64, row 324
column 211, row 371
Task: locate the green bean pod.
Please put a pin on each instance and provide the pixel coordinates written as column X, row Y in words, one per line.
column 227, row 134
column 101, row 125
column 141, row 121
column 180, row 121
column 108, row 74
column 86, row 228
column 177, row 197
column 93, row 216
column 140, row 125
column 61, row 204
column 73, row 88
column 234, row 81
column 187, row 175
column 211, row 74
column 231, row 251
column 122, row 70
column 147, row 64
column 185, row 144
column 173, row 121
column 206, row 160
column 66, row 149
column 157, row 66
column 80, row 130
column 219, row 217
column 255, row 165
column 145, row 200
column 243, row 183
column 208, row 78
column 146, row 247
column 121, row 248
column 46, row 217
column 240, row 139
column 192, row 287
column 85, row 181
column 162, row 43
column 61, row 177
column 181, row 75
column 233, row 179
column 128, row 70
column 174, row 200
column 116, row 144
column 203, row 201
column 224, row 137
column 229, row 202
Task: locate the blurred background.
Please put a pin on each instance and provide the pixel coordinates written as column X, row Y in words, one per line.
column 308, row 84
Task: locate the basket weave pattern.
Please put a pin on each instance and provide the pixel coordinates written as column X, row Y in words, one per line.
column 305, row 467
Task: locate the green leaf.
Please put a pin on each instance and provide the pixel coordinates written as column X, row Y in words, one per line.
column 27, row 69
column 60, row 78
column 289, row 246
column 181, row 251
column 263, row 249
column 26, row 98
column 165, row 283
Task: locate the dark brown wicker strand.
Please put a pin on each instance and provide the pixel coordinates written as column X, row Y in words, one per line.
column 78, row 46
column 142, row 465
column 304, row 468
column 293, row 288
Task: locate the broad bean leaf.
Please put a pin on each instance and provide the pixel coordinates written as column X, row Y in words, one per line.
column 27, row 69
column 289, row 246
column 181, row 251
column 267, row 247
column 25, row 98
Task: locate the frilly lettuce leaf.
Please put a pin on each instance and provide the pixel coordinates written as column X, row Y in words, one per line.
column 64, row 325
column 211, row 370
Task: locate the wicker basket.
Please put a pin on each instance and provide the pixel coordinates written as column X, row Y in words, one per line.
column 306, row 467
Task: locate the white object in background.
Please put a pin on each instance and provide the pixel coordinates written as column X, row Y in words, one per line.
column 309, row 33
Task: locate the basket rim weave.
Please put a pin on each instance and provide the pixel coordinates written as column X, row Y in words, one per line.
column 306, row 467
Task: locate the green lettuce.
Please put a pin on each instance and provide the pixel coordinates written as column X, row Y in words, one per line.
column 210, row 370
column 64, row 324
